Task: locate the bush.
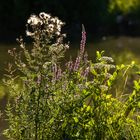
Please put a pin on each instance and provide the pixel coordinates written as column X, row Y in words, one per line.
column 74, row 101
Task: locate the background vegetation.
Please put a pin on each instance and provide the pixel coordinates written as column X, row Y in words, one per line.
column 99, row 17
column 81, row 99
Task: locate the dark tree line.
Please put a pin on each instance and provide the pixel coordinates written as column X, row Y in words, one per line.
column 94, row 14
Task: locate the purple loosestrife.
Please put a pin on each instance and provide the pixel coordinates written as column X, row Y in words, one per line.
column 83, row 41
column 85, row 58
column 74, row 66
column 86, row 72
column 77, row 63
column 69, row 65
column 82, row 50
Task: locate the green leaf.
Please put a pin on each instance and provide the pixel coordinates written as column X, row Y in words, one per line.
column 75, row 119
column 137, row 85
column 88, row 108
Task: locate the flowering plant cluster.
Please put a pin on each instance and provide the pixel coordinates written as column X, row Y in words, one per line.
column 76, row 101
column 51, row 26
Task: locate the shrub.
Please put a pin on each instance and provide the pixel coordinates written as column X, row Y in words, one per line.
column 74, row 101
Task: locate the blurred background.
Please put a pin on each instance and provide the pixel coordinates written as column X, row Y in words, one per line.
column 101, row 18
column 111, row 25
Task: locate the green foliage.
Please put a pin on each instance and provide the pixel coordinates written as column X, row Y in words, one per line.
column 76, row 101
column 125, row 6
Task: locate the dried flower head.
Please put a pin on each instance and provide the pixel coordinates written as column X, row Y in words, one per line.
column 44, row 15
column 34, row 20
column 46, row 24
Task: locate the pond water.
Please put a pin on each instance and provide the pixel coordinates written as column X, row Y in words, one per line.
column 122, row 49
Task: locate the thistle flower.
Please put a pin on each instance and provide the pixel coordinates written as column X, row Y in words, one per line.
column 51, row 27
column 45, row 16
column 29, row 33
column 45, row 23
column 34, row 20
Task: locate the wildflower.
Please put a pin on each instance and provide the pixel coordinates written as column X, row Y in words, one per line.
column 38, row 80
column 23, row 65
column 29, row 33
column 86, row 72
column 66, row 46
column 56, row 20
column 59, row 28
column 83, row 41
column 45, row 65
column 22, row 46
column 106, row 59
column 59, row 22
column 57, row 33
column 69, row 65
column 77, row 63
column 51, row 27
column 103, row 87
column 34, row 20
column 9, row 51
column 52, row 20
column 108, row 75
column 59, row 40
column 63, row 35
column 85, row 58
column 43, row 15
column 103, row 66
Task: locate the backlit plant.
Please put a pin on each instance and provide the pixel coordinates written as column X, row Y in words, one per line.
column 76, row 101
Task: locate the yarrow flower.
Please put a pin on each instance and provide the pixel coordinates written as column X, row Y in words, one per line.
column 106, row 59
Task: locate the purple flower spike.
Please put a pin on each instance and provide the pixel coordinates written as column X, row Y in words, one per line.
column 86, row 72
column 77, row 63
column 85, row 58
column 69, row 65
column 83, row 41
